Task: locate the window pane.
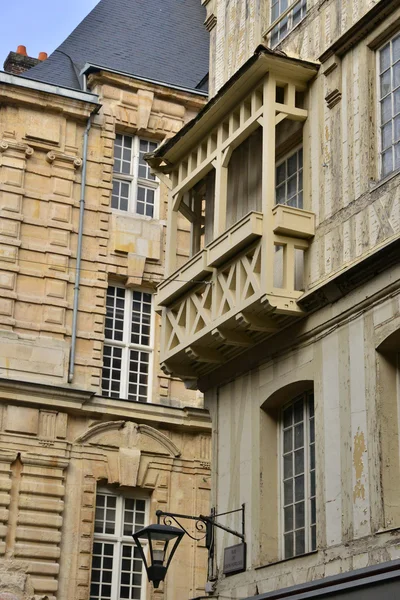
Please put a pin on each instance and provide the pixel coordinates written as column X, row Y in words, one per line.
column 387, row 135
column 288, row 545
column 384, row 57
column 299, row 411
column 299, row 462
column 396, row 48
column 288, row 517
column 396, row 75
column 287, row 466
column 298, row 488
column 108, row 557
column 145, row 201
column 123, row 154
column 141, row 316
column 386, row 109
column 114, row 313
column 300, row 542
column 138, row 367
column 387, row 162
column 300, row 515
column 287, row 441
column 111, row 378
column 131, row 569
column 102, row 565
column 289, row 180
column 288, row 492
column 288, row 416
column 299, row 435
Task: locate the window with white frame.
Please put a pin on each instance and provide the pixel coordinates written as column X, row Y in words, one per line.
column 298, row 500
column 117, row 568
column 289, row 180
column 127, row 349
column 286, row 24
column 134, row 187
column 389, row 102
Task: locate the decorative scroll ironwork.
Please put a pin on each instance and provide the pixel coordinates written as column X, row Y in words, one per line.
column 200, row 525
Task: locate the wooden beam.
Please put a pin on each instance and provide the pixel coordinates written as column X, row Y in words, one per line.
column 255, row 323
column 296, row 114
column 220, row 199
column 187, row 212
column 163, row 178
column 232, row 337
column 176, row 201
column 279, row 118
column 204, row 355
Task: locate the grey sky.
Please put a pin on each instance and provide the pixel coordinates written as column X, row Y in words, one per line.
column 40, row 26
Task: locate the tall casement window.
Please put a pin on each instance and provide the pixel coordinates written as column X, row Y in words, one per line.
column 117, row 569
column 389, row 96
column 127, row 348
column 134, row 187
column 289, row 179
column 286, row 24
column 298, row 476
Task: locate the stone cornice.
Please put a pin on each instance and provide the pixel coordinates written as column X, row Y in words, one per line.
column 45, row 101
column 70, row 400
column 131, row 84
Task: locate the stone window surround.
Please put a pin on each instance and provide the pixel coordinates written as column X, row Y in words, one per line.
column 118, row 539
column 126, row 345
column 271, row 535
column 134, row 181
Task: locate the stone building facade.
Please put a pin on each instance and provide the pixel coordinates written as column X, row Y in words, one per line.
column 91, row 443
column 289, row 180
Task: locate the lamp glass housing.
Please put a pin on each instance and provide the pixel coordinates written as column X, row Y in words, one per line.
column 163, row 541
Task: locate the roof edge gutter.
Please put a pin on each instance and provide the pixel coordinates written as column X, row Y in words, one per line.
column 90, row 67
column 48, row 88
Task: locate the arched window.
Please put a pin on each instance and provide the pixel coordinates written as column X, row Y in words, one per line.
column 288, row 473
column 297, row 476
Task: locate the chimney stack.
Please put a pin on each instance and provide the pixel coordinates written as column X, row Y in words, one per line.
column 18, row 62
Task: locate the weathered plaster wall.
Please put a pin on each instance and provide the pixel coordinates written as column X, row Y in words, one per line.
column 343, row 352
column 237, row 28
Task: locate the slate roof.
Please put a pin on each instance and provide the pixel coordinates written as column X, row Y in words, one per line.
column 161, row 40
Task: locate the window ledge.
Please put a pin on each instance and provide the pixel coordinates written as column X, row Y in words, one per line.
column 132, row 215
column 374, row 185
column 285, row 560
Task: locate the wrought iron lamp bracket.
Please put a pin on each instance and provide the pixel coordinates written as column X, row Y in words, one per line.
column 203, row 523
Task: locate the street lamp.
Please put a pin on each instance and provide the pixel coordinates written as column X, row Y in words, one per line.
column 163, row 540
column 159, row 539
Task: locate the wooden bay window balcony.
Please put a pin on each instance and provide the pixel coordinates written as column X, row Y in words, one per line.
column 232, row 174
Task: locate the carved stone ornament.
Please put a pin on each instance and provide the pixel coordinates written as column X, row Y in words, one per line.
column 66, row 158
column 333, row 98
column 9, row 145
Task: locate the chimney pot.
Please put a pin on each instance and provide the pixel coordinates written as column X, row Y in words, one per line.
column 22, row 50
column 42, row 55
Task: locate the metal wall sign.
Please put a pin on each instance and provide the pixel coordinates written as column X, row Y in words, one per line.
column 234, row 559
